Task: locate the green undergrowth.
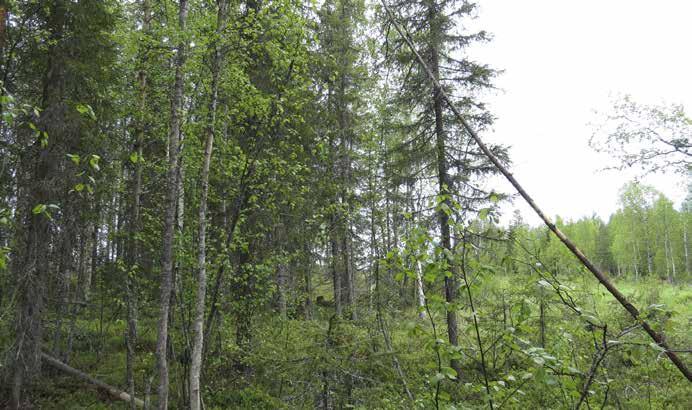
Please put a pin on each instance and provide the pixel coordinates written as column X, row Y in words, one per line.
column 302, row 364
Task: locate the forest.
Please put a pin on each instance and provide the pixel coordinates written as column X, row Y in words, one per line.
column 279, row 204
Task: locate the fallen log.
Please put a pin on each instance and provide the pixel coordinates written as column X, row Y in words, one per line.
column 113, row 391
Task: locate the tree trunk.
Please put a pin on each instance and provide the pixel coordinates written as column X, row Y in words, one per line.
column 420, row 292
column 33, row 235
column 307, row 254
column 171, row 208
column 132, row 251
column 687, row 247
column 444, row 189
column 635, row 262
column 281, row 284
column 336, row 274
column 198, row 323
column 349, row 288
column 671, row 253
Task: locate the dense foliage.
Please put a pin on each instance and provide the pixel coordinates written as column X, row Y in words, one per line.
column 266, row 204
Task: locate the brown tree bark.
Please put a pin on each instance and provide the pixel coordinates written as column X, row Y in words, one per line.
column 38, row 187
column 336, row 274
column 444, row 188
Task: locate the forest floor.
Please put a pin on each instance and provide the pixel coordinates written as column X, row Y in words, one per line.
column 283, row 366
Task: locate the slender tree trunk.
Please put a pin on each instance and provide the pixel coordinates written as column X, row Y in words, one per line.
column 132, row 251
column 419, row 291
column 65, row 271
column 281, row 284
column 198, row 323
column 309, row 314
column 349, row 274
column 171, row 207
column 635, row 262
column 77, row 299
column 671, row 255
column 336, row 274
column 541, row 306
column 687, row 247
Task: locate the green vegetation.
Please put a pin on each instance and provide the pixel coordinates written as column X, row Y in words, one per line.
column 281, row 204
column 290, row 357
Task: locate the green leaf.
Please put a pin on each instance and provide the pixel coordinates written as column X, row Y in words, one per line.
column 40, row 208
column 483, row 214
column 86, row 110
column 74, row 158
column 544, row 283
column 94, row 162
column 445, row 208
column 450, row 373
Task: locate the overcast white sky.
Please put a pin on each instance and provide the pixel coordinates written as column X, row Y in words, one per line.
column 562, row 61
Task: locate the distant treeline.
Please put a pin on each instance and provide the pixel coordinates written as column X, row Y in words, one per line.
column 646, row 236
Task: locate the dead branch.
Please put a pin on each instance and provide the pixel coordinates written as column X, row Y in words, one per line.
column 113, row 391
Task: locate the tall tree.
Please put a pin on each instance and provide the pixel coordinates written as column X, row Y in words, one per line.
column 437, row 140
column 343, row 78
column 61, row 46
column 172, row 196
column 217, row 57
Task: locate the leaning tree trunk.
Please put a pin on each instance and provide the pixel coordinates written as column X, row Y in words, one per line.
column 171, row 208
column 111, row 390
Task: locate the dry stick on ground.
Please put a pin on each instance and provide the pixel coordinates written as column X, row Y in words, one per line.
column 600, row 276
column 113, row 391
